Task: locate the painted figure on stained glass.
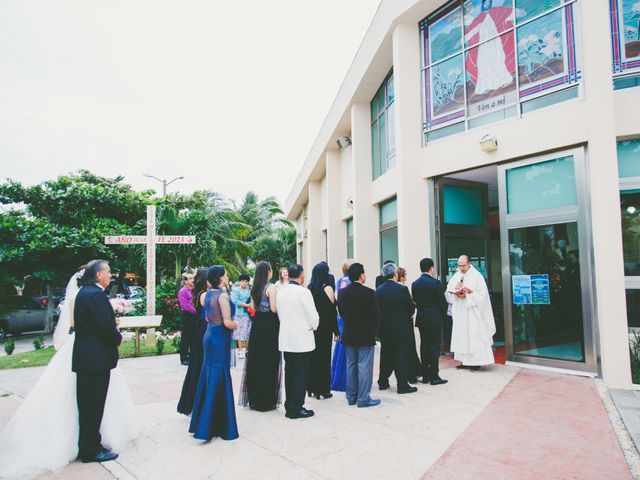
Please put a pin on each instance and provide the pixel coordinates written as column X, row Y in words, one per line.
column 491, row 64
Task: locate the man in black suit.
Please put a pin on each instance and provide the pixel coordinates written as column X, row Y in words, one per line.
column 380, row 278
column 428, row 295
column 396, row 325
column 359, row 311
column 95, row 354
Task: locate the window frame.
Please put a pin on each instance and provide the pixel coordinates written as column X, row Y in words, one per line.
column 383, row 161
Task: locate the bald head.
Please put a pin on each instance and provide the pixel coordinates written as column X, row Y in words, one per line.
column 464, row 263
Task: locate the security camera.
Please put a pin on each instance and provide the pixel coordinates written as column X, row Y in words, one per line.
column 350, row 201
column 343, row 142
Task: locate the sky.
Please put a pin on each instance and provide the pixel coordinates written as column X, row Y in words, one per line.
column 230, row 95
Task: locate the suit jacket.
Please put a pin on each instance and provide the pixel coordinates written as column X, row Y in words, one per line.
column 428, row 295
column 95, row 348
column 359, row 311
column 396, row 311
column 379, row 281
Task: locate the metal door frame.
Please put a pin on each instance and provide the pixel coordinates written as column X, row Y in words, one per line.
column 578, row 213
column 455, row 230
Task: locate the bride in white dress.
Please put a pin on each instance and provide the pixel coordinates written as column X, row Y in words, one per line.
column 42, row 436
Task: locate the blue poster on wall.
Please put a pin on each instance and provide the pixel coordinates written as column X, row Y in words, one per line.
column 540, row 289
column 521, row 285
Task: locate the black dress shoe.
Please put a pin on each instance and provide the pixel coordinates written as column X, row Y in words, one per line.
column 303, row 413
column 413, row 381
column 383, row 386
column 323, row 395
column 104, row 449
column 407, row 389
column 439, row 381
column 100, row 457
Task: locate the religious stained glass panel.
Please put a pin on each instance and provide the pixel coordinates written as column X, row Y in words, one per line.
column 482, row 56
column 625, row 38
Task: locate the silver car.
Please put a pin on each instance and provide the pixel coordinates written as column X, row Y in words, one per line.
column 21, row 314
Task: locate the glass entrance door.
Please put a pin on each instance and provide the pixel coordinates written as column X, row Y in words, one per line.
column 546, row 262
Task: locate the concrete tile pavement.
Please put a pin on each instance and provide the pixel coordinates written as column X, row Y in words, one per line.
column 497, row 423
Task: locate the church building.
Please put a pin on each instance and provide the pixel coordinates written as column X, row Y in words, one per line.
column 506, row 130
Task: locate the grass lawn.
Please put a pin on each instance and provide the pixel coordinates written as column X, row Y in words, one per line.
column 37, row 358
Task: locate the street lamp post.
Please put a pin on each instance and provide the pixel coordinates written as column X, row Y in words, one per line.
column 164, row 182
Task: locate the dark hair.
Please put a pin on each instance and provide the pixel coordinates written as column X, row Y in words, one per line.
column 387, row 261
column 355, row 270
column 260, row 279
column 295, row 270
column 244, row 276
column 426, row 264
column 319, row 278
column 90, row 274
column 214, row 274
column 200, row 285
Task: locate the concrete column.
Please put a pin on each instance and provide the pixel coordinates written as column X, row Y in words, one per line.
column 413, row 202
column 604, row 190
column 336, row 228
column 366, row 237
column 315, row 237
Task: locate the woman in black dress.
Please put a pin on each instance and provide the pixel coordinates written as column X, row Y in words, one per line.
column 262, row 379
column 185, row 404
column 324, row 298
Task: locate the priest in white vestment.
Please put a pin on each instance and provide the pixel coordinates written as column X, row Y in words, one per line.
column 473, row 322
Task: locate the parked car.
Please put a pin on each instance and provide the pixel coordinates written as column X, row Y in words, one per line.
column 21, row 314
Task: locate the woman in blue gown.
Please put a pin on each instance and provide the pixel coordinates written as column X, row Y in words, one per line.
column 339, row 361
column 214, row 413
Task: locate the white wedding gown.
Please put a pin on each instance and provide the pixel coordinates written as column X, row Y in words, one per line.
column 42, row 436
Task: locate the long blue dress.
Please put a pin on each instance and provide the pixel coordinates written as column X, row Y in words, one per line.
column 339, row 361
column 214, row 413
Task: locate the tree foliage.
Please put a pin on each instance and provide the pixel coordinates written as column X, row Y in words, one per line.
column 48, row 230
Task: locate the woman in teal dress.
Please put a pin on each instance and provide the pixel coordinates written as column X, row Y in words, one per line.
column 214, row 413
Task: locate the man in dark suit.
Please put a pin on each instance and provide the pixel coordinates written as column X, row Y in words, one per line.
column 428, row 295
column 380, row 278
column 396, row 325
column 359, row 311
column 95, row 354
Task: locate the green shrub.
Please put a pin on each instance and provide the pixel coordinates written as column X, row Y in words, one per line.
column 176, row 342
column 9, row 346
column 159, row 345
column 38, row 342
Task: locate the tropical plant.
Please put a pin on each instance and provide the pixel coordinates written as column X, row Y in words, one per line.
column 277, row 247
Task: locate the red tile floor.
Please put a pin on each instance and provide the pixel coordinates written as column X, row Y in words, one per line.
column 541, row 426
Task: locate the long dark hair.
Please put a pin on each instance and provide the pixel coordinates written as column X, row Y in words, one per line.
column 260, row 279
column 319, row 278
column 200, row 285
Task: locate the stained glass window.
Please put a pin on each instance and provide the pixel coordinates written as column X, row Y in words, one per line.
column 486, row 56
column 625, row 35
column 383, row 140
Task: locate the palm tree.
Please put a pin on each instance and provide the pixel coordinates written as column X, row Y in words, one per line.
column 263, row 217
column 277, row 247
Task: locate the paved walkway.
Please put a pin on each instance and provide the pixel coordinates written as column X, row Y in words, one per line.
column 498, row 423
